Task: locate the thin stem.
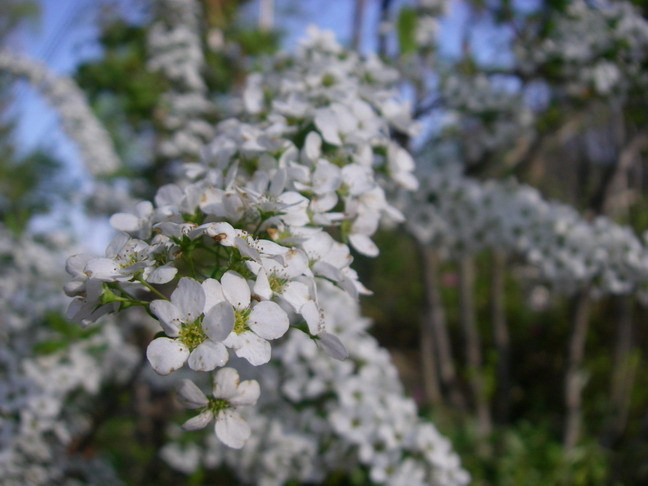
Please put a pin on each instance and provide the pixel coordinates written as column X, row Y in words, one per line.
column 152, row 289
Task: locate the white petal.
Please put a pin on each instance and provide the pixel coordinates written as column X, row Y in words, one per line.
column 332, row 346
column 75, row 265
column 270, row 247
column 219, row 321
column 190, row 395
column 311, row 315
column 144, row 209
column 166, row 355
column 168, row 195
column 231, row 429
column 296, row 263
column 125, row 222
column 312, row 146
column 102, row 269
column 162, row 274
column 296, row 294
column 363, row 244
column 358, row 178
column 116, row 244
column 245, row 249
column 199, row 421
column 268, row 320
column 189, row 298
column 326, row 123
column 262, row 285
column 326, row 270
column 213, row 293
column 226, row 382
column 223, row 233
column 169, row 316
column 325, row 202
column 249, row 346
column 236, row 289
column 278, row 183
column 207, row 356
column 248, row 393
column 326, row 177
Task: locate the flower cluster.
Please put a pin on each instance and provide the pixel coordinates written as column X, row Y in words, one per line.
column 42, row 367
column 319, row 124
column 595, row 47
column 230, row 259
column 482, row 116
column 175, row 52
column 460, row 215
column 320, row 415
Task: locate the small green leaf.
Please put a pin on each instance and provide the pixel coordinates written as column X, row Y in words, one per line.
column 50, row 346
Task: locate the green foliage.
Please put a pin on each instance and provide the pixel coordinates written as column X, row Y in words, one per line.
column 529, row 454
column 15, row 12
column 406, row 30
column 29, row 186
column 64, row 333
column 121, row 74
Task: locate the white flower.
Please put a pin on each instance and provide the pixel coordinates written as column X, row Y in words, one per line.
column 194, row 336
column 229, row 393
column 249, row 326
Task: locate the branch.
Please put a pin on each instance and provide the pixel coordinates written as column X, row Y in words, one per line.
column 65, row 96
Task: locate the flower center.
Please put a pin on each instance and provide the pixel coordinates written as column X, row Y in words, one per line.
column 191, row 335
column 217, row 405
column 328, row 80
column 240, row 320
column 127, row 260
column 276, row 283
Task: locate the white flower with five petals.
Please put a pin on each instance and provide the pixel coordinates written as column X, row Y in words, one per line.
column 192, row 327
column 248, row 326
column 229, row 393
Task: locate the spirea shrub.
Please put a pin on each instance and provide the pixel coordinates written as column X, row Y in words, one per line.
column 245, row 263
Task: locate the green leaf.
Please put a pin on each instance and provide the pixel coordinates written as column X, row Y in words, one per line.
column 50, row 346
column 61, row 325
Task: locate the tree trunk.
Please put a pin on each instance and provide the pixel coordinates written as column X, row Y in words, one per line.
column 473, row 344
column 623, row 372
column 438, row 329
column 266, row 14
column 429, row 362
column 383, row 32
column 356, row 26
column 501, row 338
column 575, row 377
